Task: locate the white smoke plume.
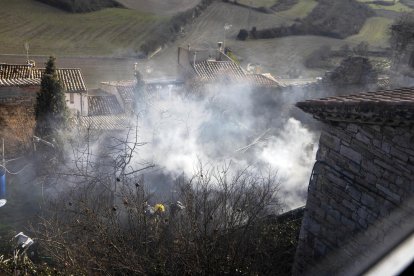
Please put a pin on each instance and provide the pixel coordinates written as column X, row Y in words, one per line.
column 228, row 124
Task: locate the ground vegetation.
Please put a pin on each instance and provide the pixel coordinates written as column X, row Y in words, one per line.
column 81, row 6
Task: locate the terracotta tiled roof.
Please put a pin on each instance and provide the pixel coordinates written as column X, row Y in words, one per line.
column 212, row 70
column 262, row 80
column 105, row 122
column 16, row 71
column 126, row 93
column 70, row 78
column 125, row 89
column 391, row 107
column 229, row 71
column 103, row 105
column 25, row 75
column 19, row 82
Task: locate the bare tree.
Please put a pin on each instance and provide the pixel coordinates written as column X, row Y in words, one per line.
column 106, row 220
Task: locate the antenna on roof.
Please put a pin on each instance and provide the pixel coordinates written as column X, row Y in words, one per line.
column 27, row 47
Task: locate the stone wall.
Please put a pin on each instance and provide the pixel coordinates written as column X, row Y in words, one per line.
column 17, row 122
column 362, row 173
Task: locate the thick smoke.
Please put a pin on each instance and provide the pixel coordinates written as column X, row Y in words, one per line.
column 234, row 124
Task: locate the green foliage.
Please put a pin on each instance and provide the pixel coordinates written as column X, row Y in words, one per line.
column 354, row 71
column 50, row 110
column 320, row 58
column 233, row 57
column 81, row 5
column 402, row 32
column 330, row 18
column 243, row 34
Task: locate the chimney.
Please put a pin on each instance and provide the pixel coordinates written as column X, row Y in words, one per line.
column 31, row 64
column 220, row 46
column 194, row 58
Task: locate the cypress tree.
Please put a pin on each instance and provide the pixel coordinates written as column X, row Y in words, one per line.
column 51, row 110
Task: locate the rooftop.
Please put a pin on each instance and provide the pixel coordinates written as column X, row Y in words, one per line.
column 104, row 122
column 126, row 88
column 229, row 71
column 384, row 107
column 12, row 75
column 210, row 70
column 263, row 80
column 104, row 105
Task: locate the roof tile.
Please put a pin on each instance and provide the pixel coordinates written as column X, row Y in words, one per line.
column 384, row 106
column 25, row 75
column 103, row 105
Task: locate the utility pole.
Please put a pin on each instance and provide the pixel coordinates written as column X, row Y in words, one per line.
column 3, row 200
column 227, row 27
column 3, row 162
column 3, row 171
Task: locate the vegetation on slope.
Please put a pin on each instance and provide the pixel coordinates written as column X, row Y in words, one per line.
column 389, row 5
column 375, row 32
column 337, row 19
column 52, row 31
column 82, row 5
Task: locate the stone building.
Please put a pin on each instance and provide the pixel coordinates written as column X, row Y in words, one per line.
column 364, row 173
column 23, row 80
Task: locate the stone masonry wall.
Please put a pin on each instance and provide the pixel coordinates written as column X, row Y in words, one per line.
column 362, row 173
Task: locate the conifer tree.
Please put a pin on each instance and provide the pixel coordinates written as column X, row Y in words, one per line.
column 51, row 110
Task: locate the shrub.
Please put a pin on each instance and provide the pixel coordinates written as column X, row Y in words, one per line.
column 80, row 6
column 243, row 34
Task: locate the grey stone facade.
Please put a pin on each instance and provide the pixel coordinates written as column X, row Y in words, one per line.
column 362, row 173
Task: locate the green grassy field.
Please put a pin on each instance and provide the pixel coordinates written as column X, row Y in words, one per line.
column 300, row 10
column 375, row 32
column 258, row 3
column 398, row 7
column 48, row 30
column 161, row 7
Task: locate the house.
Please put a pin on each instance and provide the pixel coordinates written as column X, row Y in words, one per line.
column 208, row 67
column 112, row 106
column 362, row 183
column 17, row 80
column 153, row 88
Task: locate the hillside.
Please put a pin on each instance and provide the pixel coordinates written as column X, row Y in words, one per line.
column 120, row 32
column 81, row 6
column 278, row 56
column 160, row 7
column 282, row 55
column 112, row 31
